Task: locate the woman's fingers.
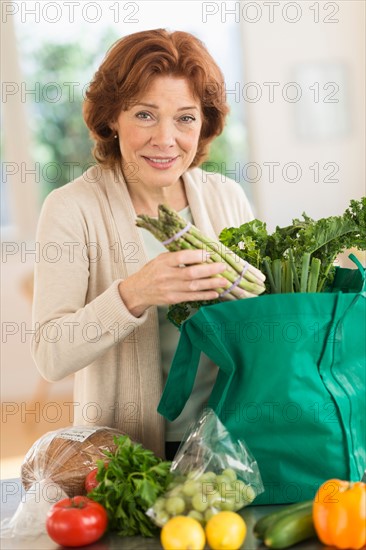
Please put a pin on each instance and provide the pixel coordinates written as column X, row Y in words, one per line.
column 180, row 276
column 185, row 257
column 183, row 278
column 193, row 296
column 192, row 264
column 201, row 271
column 189, row 278
column 203, row 284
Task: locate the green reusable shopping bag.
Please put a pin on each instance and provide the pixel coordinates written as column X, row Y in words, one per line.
column 291, row 383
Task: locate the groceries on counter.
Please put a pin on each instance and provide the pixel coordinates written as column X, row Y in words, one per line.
column 55, row 468
column 128, row 485
column 76, row 521
column 224, row 531
column 192, row 500
column 213, row 472
column 66, row 456
column 337, row 515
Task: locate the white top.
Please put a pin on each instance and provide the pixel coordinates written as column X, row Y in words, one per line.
column 169, row 337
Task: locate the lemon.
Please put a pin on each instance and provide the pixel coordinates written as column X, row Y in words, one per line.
column 226, row 531
column 182, row 533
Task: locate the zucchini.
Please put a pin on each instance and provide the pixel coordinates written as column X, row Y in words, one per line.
column 290, row 530
column 265, row 522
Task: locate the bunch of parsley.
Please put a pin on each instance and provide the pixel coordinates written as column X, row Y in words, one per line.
column 296, row 258
column 129, row 486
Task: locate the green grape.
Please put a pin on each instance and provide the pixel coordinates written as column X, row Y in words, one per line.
column 172, row 485
column 228, row 504
column 208, row 488
column 230, row 473
column 176, row 491
column 214, row 499
column 199, row 503
column 245, row 493
column 161, row 518
column 224, row 484
column 240, row 486
column 251, row 494
column 176, row 482
column 175, row 505
column 208, row 476
column 194, row 474
column 159, row 505
column 209, row 513
column 179, row 479
column 190, row 488
column 196, row 515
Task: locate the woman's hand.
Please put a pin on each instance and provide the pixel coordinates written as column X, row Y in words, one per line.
column 170, row 278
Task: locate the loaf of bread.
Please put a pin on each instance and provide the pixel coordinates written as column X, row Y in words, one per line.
column 66, row 456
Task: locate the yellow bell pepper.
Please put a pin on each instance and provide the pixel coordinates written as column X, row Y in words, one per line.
column 339, row 514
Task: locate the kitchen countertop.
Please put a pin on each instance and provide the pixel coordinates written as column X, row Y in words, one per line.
column 12, row 494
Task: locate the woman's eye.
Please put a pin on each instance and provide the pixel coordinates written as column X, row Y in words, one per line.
column 143, row 115
column 188, row 118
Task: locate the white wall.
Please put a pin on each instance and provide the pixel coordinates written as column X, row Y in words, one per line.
column 17, row 169
column 274, row 52
column 19, row 377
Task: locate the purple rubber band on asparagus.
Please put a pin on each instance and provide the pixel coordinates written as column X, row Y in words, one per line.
column 177, row 235
column 236, row 282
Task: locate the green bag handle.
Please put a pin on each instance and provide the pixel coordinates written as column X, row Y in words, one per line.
column 183, row 373
column 361, row 269
column 340, row 391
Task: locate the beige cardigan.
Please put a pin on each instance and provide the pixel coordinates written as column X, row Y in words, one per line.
column 89, row 242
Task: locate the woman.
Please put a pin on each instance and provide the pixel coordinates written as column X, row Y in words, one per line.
column 153, row 108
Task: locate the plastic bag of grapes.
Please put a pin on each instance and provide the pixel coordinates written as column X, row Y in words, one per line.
column 212, row 472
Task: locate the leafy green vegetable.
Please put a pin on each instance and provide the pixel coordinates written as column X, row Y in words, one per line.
column 130, row 485
column 178, row 313
column 300, row 256
column 306, row 241
column 296, row 258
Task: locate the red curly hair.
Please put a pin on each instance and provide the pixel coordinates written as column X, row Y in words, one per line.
column 126, row 73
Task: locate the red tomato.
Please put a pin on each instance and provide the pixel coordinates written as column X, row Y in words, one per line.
column 76, row 521
column 90, row 480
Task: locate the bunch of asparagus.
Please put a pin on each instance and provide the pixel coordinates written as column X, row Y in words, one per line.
column 244, row 280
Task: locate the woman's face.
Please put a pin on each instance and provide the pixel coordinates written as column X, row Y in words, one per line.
column 159, row 135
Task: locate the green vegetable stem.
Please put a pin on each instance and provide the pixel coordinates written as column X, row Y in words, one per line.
column 314, row 275
column 305, row 271
column 294, row 271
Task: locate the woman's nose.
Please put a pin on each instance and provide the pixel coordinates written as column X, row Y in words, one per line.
column 163, row 134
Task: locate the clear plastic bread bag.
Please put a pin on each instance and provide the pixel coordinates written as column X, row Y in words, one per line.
column 212, row 472
column 55, row 467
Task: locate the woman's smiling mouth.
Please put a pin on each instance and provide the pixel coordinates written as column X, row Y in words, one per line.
column 161, row 163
